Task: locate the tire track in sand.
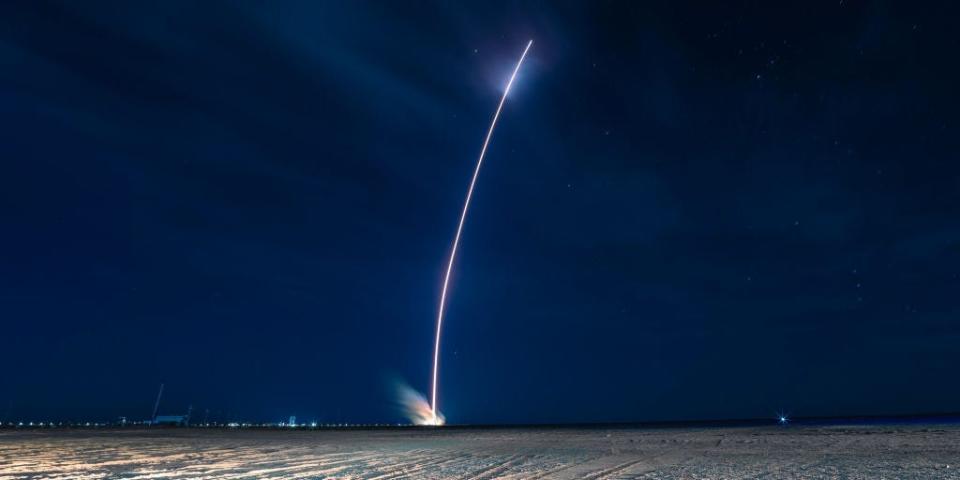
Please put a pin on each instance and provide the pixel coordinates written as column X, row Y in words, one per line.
column 405, row 469
column 494, row 469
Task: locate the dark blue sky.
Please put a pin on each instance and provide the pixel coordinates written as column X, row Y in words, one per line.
column 689, row 211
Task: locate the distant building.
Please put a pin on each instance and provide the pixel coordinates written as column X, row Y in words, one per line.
column 175, row 420
column 293, row 421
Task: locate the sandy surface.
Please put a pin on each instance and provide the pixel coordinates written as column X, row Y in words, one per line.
column 868, row 452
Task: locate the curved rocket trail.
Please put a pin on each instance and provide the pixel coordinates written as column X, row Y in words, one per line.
column 456, row 238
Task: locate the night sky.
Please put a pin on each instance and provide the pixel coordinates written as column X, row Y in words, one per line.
column 688, row 211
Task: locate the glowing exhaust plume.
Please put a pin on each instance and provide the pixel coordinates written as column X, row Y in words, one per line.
column 437, row 419
column 416, row 407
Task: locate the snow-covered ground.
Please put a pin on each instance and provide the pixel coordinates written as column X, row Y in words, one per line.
column 917, row 451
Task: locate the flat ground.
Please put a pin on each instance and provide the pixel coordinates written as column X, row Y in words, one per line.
column 868, row 452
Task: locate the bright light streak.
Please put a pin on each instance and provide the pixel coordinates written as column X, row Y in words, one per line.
column 436, row 420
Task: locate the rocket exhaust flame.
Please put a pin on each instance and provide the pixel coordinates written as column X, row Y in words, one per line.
column 435, row 417
column 416, row 407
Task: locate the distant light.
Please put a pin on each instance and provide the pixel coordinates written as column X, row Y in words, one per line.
column 783, row 418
